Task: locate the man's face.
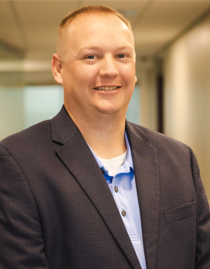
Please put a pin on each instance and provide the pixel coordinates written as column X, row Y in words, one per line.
column 98, row 69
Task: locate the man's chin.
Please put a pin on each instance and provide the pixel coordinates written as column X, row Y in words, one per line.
column 109, row 111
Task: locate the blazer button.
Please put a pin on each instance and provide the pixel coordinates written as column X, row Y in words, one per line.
column 123, row 213
column 116, row 189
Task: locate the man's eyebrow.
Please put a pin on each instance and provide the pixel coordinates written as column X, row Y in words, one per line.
column 125, row 47
column 89, row 47
column 98, row 48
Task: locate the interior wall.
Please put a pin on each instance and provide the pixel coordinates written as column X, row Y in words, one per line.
column 187, row 93
column 147, row 75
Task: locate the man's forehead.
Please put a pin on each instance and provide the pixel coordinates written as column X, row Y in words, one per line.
column 101, row 20
column 96, row 29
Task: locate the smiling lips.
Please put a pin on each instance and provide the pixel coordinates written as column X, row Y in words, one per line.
column 106, row 88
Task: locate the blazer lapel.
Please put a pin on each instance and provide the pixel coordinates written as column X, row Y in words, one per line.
column 78, row 158
column 147, row 181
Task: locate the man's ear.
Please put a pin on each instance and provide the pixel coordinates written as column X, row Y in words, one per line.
column 135, row 61
column 56, row 68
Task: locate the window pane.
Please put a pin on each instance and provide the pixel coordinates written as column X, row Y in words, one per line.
column 133, row 112
column 41, row 103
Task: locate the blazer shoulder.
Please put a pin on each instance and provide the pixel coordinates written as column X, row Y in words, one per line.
column 156, row 139
column 28, row 137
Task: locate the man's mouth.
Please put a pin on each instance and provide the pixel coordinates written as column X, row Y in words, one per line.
column 106, row 88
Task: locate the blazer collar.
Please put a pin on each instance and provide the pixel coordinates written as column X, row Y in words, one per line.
column 147, row 183
column 63, row 128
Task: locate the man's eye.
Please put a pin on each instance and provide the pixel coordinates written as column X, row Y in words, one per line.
column 91, row 57
column 121, row 56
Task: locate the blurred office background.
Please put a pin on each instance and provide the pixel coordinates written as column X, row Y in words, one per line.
column 172, row 94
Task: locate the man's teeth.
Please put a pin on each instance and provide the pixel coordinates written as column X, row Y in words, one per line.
column 106, row 88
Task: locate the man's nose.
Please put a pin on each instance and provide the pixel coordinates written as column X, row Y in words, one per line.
column 109, row 67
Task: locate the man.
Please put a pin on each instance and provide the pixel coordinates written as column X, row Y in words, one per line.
column 88, row 189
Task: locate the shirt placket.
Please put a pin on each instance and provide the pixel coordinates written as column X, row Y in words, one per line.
column 123, row 204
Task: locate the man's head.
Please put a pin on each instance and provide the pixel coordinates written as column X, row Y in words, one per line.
column 95, row 63
column 65, row 22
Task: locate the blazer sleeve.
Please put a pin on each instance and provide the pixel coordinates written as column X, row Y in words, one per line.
column 21, row 236
column 202, row 256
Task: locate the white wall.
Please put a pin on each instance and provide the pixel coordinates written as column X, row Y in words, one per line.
column 187, row 93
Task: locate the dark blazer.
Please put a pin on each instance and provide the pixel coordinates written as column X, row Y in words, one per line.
column 57, row 212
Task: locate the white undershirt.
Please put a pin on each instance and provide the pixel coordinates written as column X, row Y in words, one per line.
column 112, row 165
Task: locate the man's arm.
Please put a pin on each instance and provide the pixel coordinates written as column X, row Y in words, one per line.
column 202, row 257
column 21, row 238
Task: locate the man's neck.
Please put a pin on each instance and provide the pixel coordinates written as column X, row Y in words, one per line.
column 107, row 143
column 105, row 134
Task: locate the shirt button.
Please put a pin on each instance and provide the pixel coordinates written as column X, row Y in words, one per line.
column 116, row 189
column 123, row 213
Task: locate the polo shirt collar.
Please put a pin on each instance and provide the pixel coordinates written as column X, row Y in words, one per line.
column 126, row 166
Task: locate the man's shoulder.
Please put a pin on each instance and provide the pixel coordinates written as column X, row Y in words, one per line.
column 30, row 136
column 156, row 139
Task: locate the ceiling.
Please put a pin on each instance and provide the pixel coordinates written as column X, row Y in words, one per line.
column 28, row 28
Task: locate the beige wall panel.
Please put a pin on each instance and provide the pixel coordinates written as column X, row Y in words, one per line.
column 148, row 95
column 187, row 93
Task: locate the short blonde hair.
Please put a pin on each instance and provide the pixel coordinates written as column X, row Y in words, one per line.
column 85, row 10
